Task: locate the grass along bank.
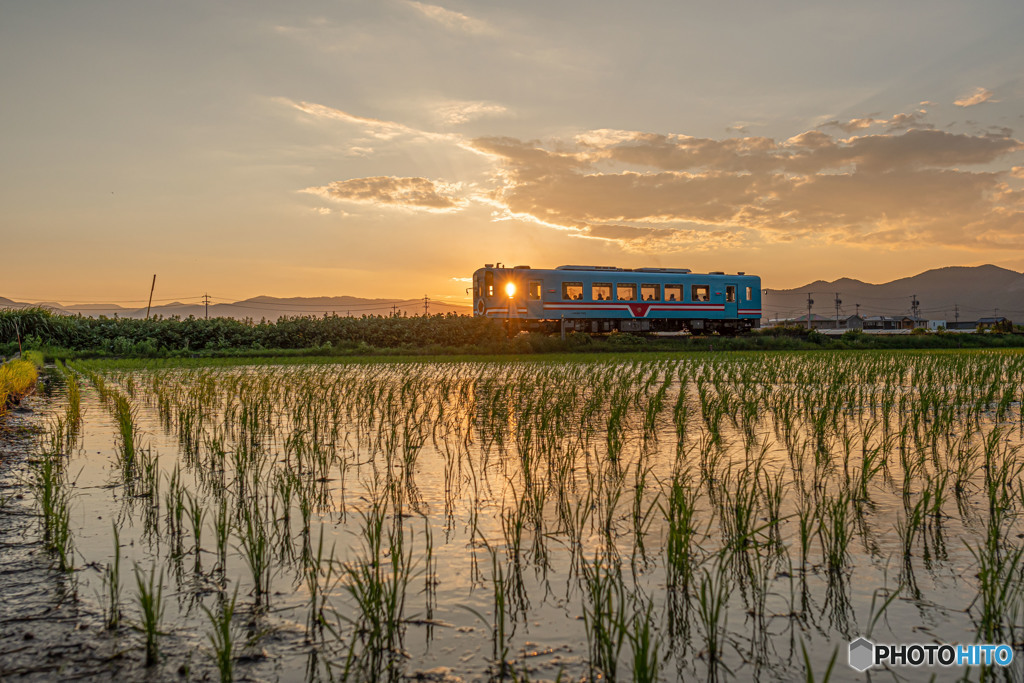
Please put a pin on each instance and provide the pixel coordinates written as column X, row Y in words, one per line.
column 17, row 378
column 73, row 337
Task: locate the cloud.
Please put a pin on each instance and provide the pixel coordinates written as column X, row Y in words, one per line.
column 895, row 182
column 453, row 21
column 377, row 128
column 453, row 113
column 979, row 96
column 410, row 193
column 653, row 193
column 387, row 131
column 914, row 119
column 901, row 121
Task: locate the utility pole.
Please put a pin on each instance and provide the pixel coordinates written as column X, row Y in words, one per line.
column 914, row 306
column 426, row 305
column 956, row 313
column 858, row 309
column 206, row 301
column 394, row 311
column 838, row 303
column 810, row 302
column 150, row 304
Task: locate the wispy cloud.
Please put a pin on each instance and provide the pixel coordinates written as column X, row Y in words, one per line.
column 408, row 193
column 979, row 96
column 451, row 20
column 391, row 131
column 453, row 113
column 382, row 130
column 901, row 121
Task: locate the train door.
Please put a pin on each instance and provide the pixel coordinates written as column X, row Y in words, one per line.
column 731, row 306
column 479, row 304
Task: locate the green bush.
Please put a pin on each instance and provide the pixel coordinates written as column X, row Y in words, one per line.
column 625, row 341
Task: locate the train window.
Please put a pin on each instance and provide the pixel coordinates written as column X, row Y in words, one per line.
column 650, row 292
column 730, row 294
column 625, row 292
column 750, row 293
column 700, row 292
column 601, row 291
column 673, row 292
column 534, row 290
column 572, row 290
column 489, row 280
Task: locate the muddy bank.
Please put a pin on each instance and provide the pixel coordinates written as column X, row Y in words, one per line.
column 47, row 630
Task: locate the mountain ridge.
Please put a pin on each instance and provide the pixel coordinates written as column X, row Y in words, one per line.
column 969, row 292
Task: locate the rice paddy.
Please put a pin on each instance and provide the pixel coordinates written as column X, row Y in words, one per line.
column 710, row 516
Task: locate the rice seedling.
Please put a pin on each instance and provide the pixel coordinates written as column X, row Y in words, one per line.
column 604, row 616
column 196, row 514
column 712, row 597
column 645, row 645
column 112, row 585
column 150, row 599
column 51, row 489
column 320, row 578
column 224, row 637
column 256, row 552
column 378, row 589
column 125, row 414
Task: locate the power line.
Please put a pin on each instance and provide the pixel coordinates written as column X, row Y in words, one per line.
column 108, row 302
column 387, row 303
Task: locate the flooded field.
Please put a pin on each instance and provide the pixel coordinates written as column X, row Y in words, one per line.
column 706, row 517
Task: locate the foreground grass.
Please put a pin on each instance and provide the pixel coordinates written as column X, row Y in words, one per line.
column 126, row 364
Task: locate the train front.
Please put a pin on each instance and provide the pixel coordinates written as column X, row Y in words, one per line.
column 499, row 292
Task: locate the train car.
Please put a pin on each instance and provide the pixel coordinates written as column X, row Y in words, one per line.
column 600, row 299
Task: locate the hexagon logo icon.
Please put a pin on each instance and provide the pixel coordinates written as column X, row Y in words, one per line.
column 862, row 654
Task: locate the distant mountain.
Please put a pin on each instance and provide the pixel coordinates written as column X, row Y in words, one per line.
column 976, row 291
column 260, row 307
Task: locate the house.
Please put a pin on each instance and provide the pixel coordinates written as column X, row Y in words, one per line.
column 823, row 323
column 893, row 322
column 995, row 324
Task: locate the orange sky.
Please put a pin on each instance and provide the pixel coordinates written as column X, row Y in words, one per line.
column 391, row 148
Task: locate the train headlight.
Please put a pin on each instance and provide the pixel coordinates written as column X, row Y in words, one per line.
column 510, row 289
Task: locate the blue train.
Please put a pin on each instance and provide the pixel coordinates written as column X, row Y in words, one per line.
column 600, row 299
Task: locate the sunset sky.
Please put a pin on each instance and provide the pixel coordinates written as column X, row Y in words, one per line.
column 391, row 147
